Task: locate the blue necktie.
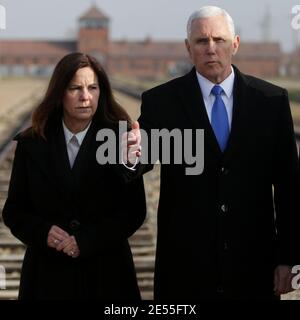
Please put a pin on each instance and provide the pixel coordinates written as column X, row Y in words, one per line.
column 219, row 118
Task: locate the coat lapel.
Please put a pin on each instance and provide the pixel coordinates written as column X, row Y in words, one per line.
column 38, row 150
column 239, row 114
column 50, row 157
column 59, row 159
column 86, row 156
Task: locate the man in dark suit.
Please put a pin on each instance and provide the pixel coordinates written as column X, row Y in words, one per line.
column 228, row 233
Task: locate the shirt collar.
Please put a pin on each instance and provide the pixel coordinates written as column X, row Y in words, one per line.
column 207, row 85
column 80, row 135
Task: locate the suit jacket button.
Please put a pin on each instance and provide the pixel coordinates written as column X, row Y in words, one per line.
column 74, row 224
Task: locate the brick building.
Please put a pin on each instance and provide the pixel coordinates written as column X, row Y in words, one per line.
column 144, row 59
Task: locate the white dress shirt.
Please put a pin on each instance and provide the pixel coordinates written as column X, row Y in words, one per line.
column 209, row 98
column 73, row 142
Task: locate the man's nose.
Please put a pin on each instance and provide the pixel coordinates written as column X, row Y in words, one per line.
column 211, row 46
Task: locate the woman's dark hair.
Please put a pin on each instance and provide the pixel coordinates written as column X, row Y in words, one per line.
column 108, row 111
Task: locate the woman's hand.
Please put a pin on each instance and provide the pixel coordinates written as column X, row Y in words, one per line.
column 69, row 246
column 62, row 241
column 55, row 236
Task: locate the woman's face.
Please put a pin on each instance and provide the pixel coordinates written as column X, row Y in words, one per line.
column 80, row 99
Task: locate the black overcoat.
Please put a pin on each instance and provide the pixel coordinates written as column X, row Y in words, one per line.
column 89, row 201
column 222, row 233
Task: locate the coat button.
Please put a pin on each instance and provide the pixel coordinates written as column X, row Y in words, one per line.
column 224, row 170
column 74, row 224
column 220, row 290
column 224, row 208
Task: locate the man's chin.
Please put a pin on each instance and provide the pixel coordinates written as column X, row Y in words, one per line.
column 211, row 75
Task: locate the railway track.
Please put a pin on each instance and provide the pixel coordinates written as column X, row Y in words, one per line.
column 11, row 250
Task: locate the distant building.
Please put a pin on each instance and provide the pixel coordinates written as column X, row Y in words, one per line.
column 259, row 58
column 143, row 59
column 291, row 64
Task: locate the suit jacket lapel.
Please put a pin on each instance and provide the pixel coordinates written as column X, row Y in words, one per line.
column 239, row 114
column 192, row 100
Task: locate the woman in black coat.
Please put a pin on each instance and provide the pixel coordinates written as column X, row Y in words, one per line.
column 72, row 213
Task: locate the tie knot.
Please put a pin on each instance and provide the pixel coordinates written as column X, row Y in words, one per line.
column 216, row 90
column 74, row 141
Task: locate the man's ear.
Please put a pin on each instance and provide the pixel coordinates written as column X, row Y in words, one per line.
column 188, row 47
column 235, row 44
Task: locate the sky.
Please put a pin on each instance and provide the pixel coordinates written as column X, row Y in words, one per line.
column 137, row 19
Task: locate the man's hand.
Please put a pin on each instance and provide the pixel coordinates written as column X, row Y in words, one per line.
column 283, row 279
column 131, row 144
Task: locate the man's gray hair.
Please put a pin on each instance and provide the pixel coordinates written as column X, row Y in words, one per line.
column 210, row 11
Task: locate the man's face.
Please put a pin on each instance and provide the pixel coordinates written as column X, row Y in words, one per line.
column 211, row 46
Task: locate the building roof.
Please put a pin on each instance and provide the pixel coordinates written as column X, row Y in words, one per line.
column 23, row 48
column 130, row 49
column 148, row 49
column 172, row 49
column 93, row 13
column 259, row 50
